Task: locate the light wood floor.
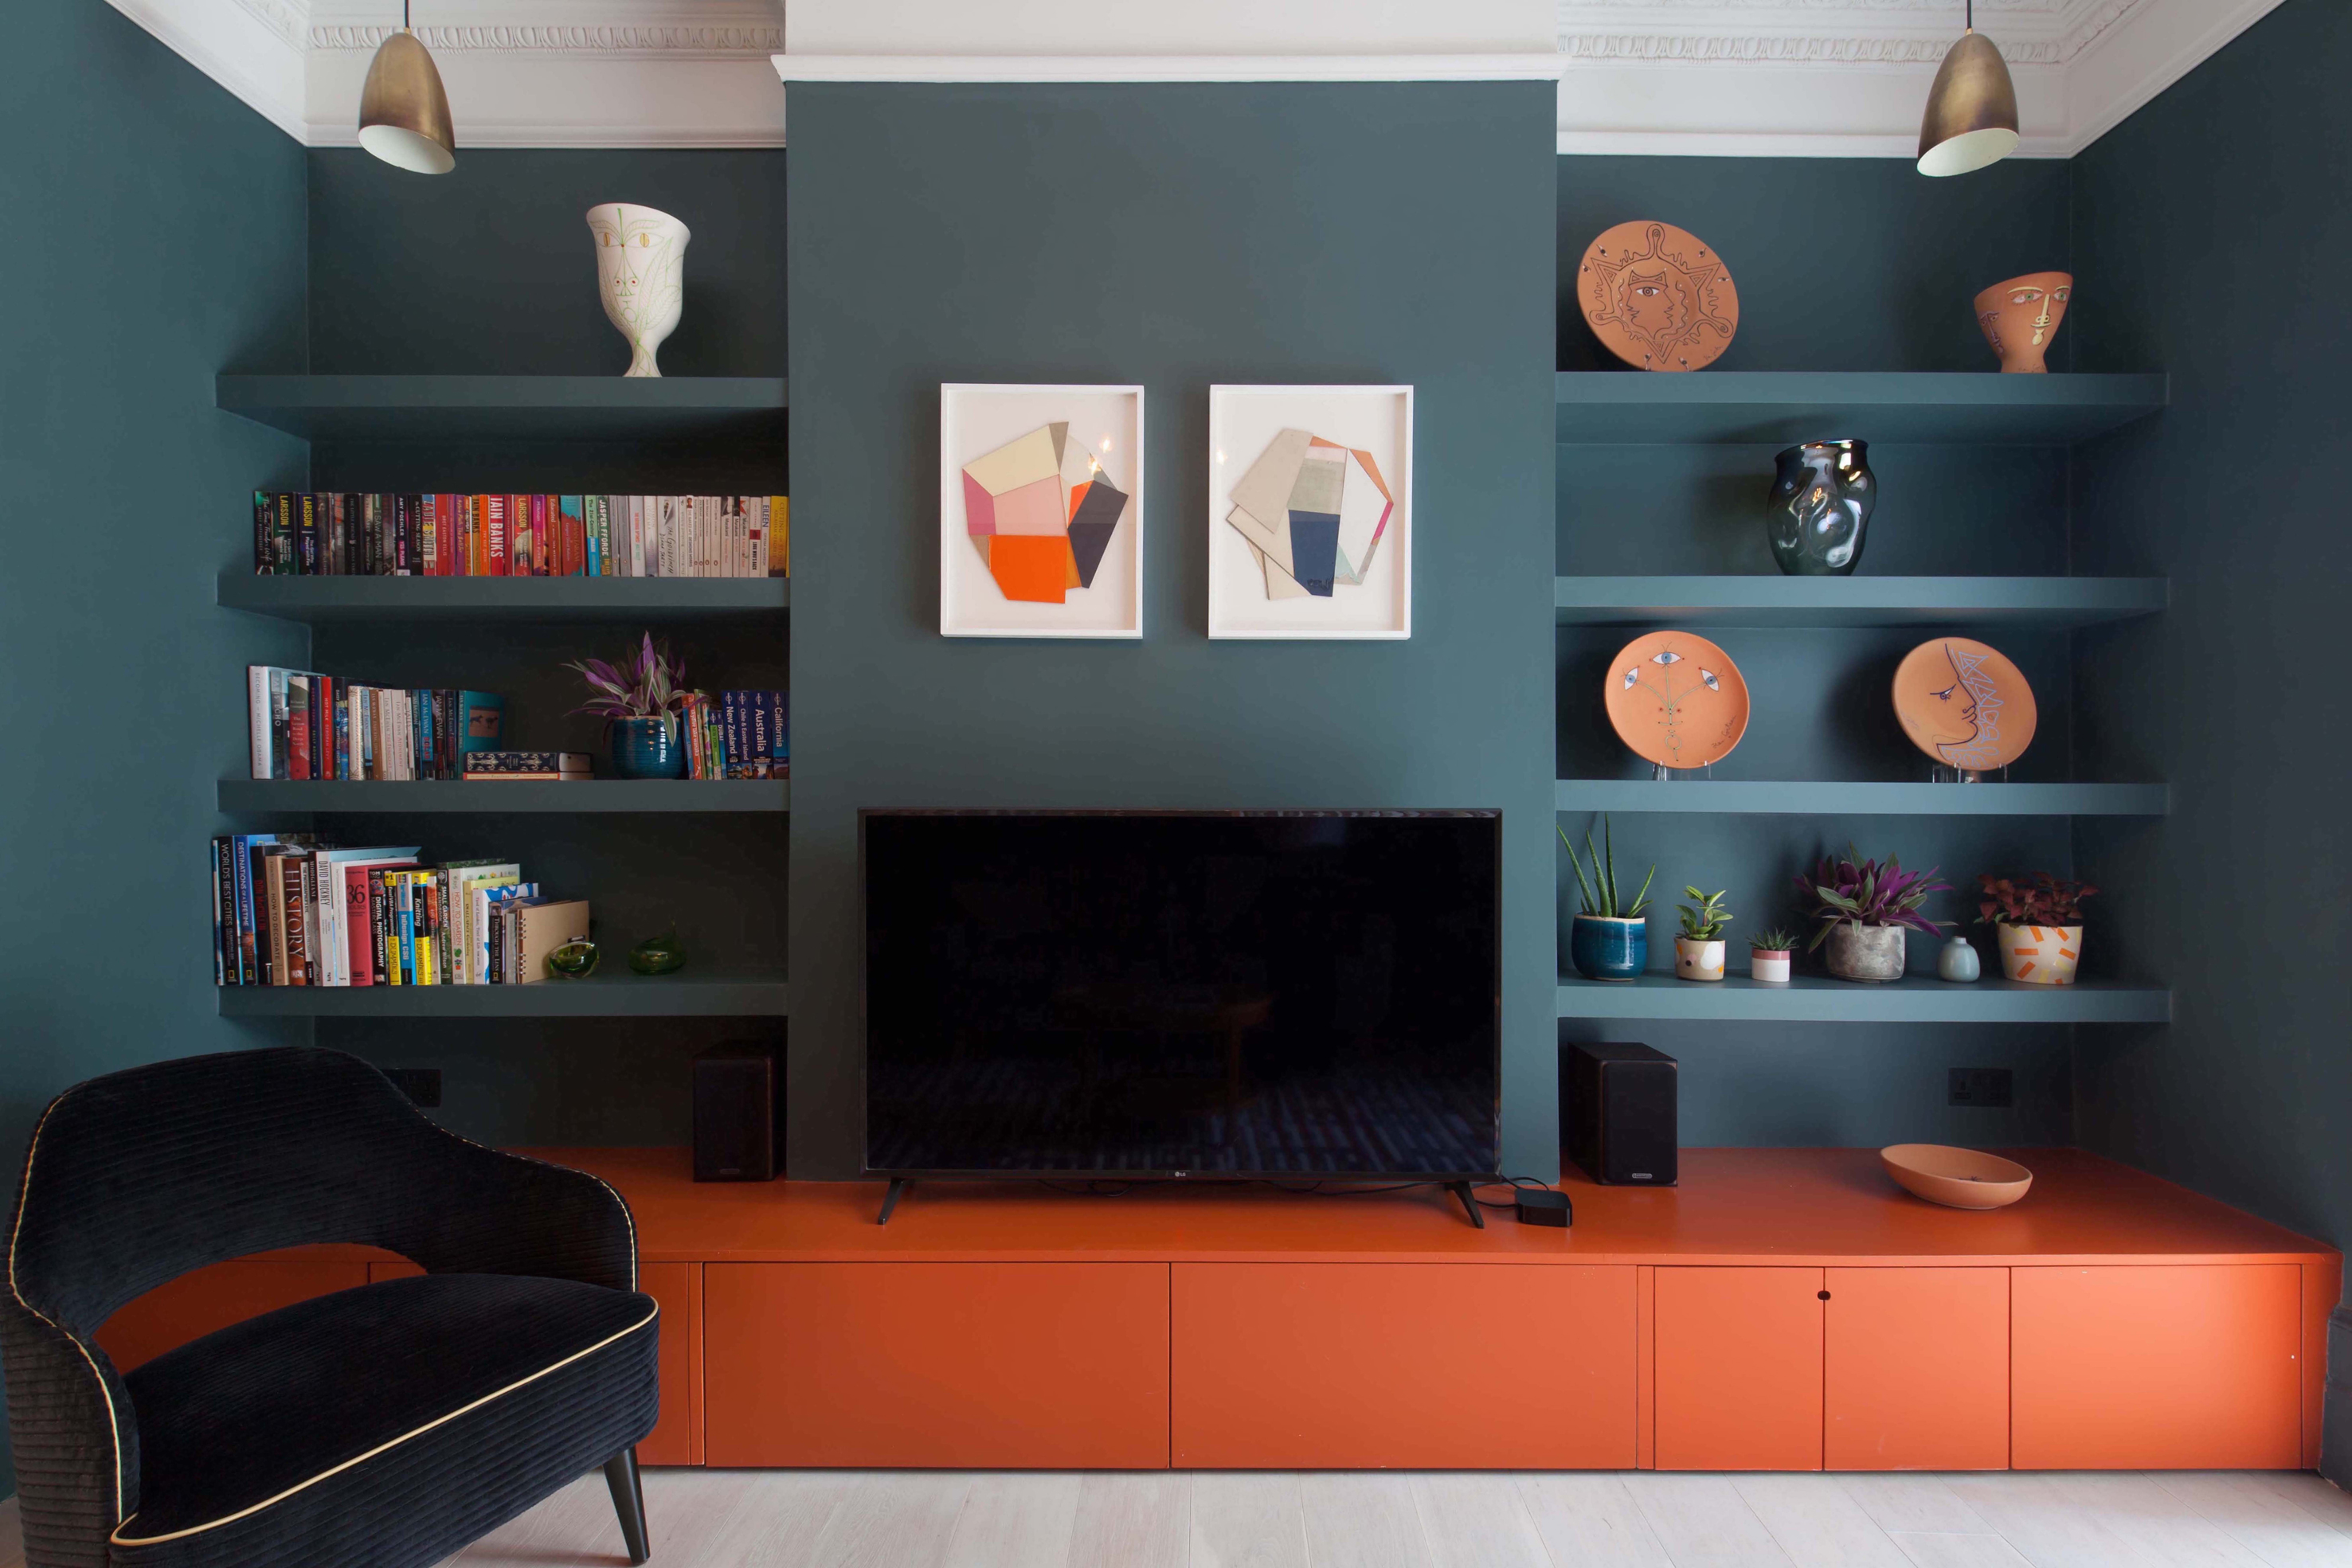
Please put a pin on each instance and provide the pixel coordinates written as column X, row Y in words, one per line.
column 917, row 1518
column 929, row 1518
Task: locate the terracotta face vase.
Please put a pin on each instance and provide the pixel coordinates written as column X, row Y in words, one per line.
column 2021, row 316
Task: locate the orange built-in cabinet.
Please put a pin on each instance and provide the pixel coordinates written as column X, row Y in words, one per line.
column 1914, row 1369
column 1400, row 1365
column 1782, row 1309
column 1739, row 1369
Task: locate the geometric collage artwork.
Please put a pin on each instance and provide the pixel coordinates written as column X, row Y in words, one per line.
column 1041, row 510
column 1314, row 512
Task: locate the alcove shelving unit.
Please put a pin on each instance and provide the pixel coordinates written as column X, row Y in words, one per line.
column 640, row 851
column 1642, row 414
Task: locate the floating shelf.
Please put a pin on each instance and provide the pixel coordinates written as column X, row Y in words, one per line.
column 1630, row 407
column 473, row 408
column 600, row 995
column 1801, row 799
column 1916, row 999
column 586, row 796
column 1849, row 601
column 319, row 600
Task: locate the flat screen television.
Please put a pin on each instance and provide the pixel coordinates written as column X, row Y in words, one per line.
column 1182, row 994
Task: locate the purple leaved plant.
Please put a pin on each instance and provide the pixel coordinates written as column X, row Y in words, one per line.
column 1849, row 889
column 648, row 684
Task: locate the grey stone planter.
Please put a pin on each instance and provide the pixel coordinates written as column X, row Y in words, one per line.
column 1867, row 953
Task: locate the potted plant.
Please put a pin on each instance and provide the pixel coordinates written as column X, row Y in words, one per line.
column 640, row 702
column 1863, row 909
column 2037, row 925
column 1771, row 953
column 1698, row 951
column 1610, row 940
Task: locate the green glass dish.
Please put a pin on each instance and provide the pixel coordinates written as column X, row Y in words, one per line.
column 572, row 961
column 663, row 955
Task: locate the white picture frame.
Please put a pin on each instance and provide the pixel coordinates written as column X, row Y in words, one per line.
column 981, row 421
column 1249, row 597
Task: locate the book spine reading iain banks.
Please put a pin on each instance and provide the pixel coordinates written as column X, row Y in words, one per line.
column 323, row 534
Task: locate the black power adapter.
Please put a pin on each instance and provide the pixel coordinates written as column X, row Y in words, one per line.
column 1542, row 1205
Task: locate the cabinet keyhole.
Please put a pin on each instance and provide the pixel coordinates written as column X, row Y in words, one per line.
column 1824, row 1295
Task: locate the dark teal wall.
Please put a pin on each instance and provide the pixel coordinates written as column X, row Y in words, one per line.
column 159, row 239
column 1840, row 264
column 489, row 270
column 1174, row 237
column 2211, row 230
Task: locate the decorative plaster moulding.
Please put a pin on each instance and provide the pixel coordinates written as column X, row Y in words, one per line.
column 793, row 67
column 1718, row 77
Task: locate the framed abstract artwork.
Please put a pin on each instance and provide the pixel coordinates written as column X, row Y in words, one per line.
column 1041, row 511
column 1310, row 512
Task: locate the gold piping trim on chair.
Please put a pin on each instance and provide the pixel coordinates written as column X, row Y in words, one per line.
column 119, row 1539
column 113, row 1426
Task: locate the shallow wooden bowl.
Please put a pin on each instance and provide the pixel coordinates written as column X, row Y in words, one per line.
column 1957, row 1179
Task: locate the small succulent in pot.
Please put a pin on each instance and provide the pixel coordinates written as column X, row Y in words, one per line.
column 1771, row 954
column 1698, row 951
column 1609, row 940
column 1862, row 909
column 639, row 700
column 2037, row 924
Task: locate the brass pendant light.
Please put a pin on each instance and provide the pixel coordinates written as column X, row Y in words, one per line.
column 1972, row 118
column 403, row 113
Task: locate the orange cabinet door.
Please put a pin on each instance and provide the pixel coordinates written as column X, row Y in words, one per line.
column 1371, row 1365
column 676, row 1437
column 1739, row 1369
column 2175, row 1366
column 978, row 1366
column 1914, row 1369
column 198, row 1303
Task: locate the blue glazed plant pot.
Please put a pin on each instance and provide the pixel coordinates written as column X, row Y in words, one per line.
column 1604, row 949
column 646, row 748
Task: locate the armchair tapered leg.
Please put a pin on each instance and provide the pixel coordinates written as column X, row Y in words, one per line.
column 628, row 1501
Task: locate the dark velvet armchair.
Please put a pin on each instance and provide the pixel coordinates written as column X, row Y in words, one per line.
column 388, row 1424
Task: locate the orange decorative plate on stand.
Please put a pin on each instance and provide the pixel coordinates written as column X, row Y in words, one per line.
column 1677, row 699
column 1964, row 705
column 1656, row 297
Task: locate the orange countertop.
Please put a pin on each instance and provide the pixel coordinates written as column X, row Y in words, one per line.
column 1734, row 1207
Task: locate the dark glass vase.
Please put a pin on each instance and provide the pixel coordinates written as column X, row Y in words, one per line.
column 1821, row 500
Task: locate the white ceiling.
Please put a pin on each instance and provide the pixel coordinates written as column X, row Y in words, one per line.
column 1842, row 77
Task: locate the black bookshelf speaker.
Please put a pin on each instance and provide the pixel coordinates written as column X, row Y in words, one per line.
column 738, row 1113
column 1617, row 1112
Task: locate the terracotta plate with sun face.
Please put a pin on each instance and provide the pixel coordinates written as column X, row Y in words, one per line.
column 1677, row 699
column 1656, row 297
column 1964, row 705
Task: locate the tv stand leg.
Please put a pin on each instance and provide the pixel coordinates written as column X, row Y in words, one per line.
column 1461, row 1189
column 890, row 1199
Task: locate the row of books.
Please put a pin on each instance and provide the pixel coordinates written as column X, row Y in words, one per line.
column 737, row 735
column 304, row 725
column 290, row 910
column 315, row 534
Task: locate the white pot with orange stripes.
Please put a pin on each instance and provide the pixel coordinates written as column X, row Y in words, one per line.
column 2040, row 955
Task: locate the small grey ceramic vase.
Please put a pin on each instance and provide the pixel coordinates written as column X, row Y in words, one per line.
column 1873, row 954
column 1958, row 962
column 1822, row 496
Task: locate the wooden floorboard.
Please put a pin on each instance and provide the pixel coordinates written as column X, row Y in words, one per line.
column 1382, row 1518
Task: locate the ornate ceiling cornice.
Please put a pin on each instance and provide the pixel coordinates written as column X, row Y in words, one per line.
column 702, row 40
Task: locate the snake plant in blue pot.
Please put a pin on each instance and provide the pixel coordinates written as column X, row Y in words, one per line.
column 1610, row 940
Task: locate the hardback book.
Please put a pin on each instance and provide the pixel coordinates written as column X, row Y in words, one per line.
column 780, row 536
